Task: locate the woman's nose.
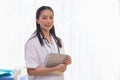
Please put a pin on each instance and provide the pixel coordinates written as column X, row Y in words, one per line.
column 49, row 20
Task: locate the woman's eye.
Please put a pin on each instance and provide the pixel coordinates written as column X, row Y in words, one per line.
column 44, row 18
column 51, row 17
column 47, row 17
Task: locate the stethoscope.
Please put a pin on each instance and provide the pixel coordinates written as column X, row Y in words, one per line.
column 46, row 42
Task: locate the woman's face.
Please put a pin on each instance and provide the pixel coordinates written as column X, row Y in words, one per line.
column 46, row 20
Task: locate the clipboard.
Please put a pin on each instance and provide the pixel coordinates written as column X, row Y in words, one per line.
column 55, row 59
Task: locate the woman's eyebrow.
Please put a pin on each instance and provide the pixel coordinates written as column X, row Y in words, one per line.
column 46, row 15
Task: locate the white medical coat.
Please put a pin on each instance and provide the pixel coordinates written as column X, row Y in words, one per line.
column 37, row 55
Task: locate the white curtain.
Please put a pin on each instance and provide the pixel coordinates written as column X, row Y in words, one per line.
column 89, row 29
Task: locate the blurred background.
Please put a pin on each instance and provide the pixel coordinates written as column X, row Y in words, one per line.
column 89, row 29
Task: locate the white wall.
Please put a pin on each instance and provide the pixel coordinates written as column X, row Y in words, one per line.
column 89, row 29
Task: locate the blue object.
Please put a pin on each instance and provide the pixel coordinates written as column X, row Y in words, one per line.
column 6, row 78
column 6, row 74
column 24, row 77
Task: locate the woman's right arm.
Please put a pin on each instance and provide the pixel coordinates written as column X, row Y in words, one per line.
column 45, row 70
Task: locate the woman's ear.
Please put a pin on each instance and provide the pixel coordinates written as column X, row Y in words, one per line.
column 37, row 21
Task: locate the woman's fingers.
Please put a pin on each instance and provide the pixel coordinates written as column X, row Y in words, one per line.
column 67, row 60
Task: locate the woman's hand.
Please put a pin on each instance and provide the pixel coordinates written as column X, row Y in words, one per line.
column 61, row 67
column 67, row 60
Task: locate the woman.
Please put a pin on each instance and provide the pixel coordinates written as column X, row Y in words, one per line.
column 43, row 42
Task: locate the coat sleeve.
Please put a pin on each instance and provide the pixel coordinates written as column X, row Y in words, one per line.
column 31, row 57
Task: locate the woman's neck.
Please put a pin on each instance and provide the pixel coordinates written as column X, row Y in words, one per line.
column 47, row 35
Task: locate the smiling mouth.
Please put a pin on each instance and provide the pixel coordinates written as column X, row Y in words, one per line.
column 48, row 26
